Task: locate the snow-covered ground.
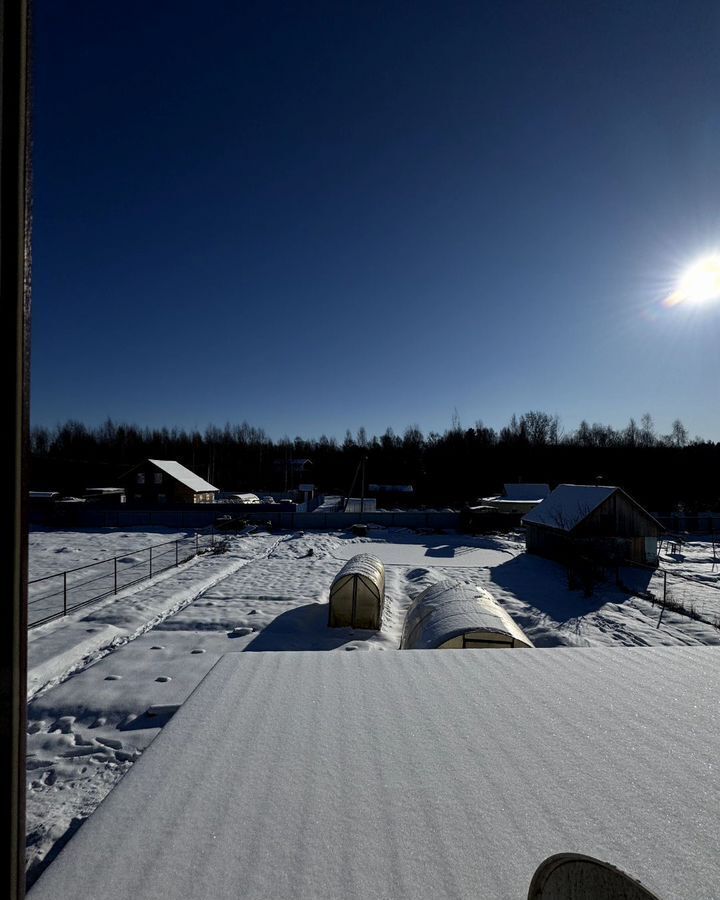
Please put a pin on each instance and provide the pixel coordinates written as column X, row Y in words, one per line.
column 69, row 568
column 51, row 551
column 106, row 678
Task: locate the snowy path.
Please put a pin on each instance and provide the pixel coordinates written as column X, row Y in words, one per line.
column 58, row 648
column 84, row 731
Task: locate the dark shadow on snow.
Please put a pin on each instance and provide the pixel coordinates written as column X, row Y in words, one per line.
column 303, row 628
column 639, row 580
column 36, row 870
column 542, row 584
column 440, row 547
column 151, row 718
column 442, row 551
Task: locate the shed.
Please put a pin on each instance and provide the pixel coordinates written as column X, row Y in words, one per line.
column 453, row 616
column 357, row 594
column 599, row 520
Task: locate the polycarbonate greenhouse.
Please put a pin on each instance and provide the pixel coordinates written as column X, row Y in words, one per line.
column 357, row 594
column 452, row 616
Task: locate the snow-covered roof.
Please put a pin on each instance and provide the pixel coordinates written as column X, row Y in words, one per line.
column 357, row 593
column 526, row 491
column 503, row 504
column 364, row 565
column 448, row 609
column 568, row 505
column 414, row 774
column 183, row 475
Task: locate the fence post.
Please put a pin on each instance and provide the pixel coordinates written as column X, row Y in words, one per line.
column 176, row 553
column 196, row 544
column 151, row 562
column 64, row 593
column 115, row 568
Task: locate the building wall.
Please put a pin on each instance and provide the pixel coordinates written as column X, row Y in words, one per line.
column 546, row 542
column 618, row 517
column 148, row 484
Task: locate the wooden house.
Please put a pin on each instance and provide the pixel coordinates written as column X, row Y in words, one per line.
column 599, row 521
column 165, row 481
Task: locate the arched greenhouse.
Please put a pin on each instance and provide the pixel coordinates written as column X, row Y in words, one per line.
column 452, row 616
column 357, row 594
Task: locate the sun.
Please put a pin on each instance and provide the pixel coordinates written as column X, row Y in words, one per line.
column 699, row 284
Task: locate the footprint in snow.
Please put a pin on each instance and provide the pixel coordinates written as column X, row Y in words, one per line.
column 63, row 724
column 241, row 631
column 110, row 742
column 163, row 678
column 126, row 755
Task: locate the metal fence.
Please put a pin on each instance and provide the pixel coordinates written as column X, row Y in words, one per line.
column 56, row 595
column 697, row 598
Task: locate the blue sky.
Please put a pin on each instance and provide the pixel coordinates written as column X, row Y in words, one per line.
column 320, row 216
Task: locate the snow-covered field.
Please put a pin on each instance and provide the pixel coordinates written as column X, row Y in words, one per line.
column 51, row 551
column 68, row 568
column 104, row 680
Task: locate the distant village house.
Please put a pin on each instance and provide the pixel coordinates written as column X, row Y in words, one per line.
column 159, row 481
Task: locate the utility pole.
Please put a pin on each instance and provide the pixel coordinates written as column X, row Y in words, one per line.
column 362, row 487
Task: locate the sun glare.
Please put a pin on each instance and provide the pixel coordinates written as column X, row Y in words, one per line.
column 699, row 284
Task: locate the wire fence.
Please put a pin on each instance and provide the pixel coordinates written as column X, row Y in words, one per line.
column 696, row 597
column 56, row 595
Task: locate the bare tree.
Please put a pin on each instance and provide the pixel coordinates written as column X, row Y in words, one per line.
column 632, row 434
column 647, row 431
column 679, row 434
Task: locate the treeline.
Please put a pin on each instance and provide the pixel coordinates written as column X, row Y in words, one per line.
column 451, row 468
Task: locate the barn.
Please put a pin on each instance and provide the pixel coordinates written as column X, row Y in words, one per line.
column 161, row 481
column 593, row 520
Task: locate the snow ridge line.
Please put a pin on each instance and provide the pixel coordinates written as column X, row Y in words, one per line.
column 117, row 642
